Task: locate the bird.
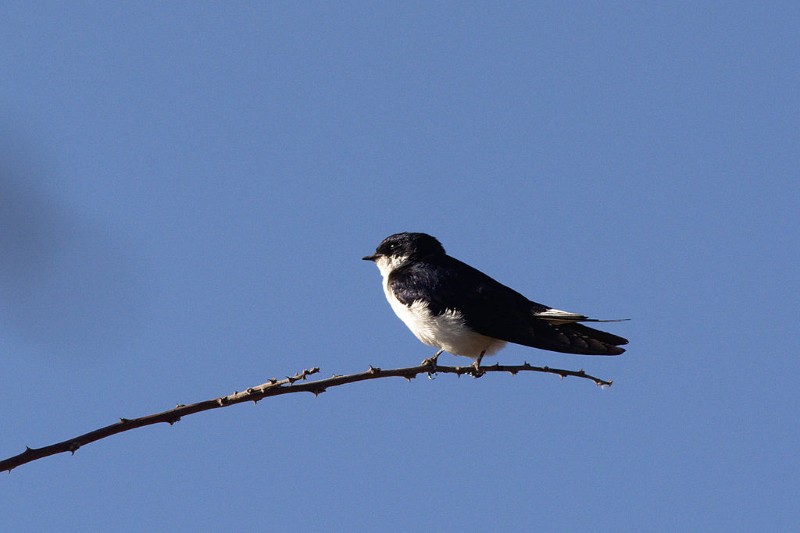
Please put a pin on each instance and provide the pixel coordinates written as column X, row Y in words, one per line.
column 456, row 308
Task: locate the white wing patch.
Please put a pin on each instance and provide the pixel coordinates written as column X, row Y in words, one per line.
column 557, row 316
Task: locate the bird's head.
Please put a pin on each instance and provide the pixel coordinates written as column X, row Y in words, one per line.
column 399, row 248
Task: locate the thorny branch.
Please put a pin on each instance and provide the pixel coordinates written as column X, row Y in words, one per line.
column 275, row 387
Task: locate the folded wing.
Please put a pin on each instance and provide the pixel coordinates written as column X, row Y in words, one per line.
column 497, row 311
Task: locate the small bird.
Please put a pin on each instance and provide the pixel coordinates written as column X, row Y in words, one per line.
column 458, row 309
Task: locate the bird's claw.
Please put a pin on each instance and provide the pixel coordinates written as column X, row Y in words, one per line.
column 476, row 366
column 431, row 362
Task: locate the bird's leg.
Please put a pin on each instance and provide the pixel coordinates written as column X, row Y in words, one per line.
column 432, row 360
column 477, row 364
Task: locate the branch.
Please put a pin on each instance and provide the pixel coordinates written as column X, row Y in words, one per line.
column 275, row 387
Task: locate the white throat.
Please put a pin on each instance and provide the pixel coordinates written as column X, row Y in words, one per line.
column 386, row 264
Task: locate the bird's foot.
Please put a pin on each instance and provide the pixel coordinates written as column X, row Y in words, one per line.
column 431, row 361
column 478, row 372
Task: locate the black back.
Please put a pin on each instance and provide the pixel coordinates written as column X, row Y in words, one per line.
column 489, row 307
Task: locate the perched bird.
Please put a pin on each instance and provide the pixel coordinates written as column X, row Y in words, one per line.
column 456, row 308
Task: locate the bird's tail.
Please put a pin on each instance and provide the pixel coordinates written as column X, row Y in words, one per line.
column 579, row 339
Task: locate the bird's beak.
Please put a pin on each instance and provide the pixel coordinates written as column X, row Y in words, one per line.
column 372, row 257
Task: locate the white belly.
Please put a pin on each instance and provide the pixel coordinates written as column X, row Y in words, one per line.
column 446, row 331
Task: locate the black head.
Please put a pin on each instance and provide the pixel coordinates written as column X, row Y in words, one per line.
column 409, row 245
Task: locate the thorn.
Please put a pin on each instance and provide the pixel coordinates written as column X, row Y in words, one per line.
column 373, row 370
column 179, row 406
column 124, row 420
column 73, row 447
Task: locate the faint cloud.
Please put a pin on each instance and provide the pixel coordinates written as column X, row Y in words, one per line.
column 66, row 282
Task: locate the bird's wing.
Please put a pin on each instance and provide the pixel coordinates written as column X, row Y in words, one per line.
column 448, row 284
column 557, row 316
column 492, row 309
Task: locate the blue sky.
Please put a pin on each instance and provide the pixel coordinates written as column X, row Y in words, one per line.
column 186, row 190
